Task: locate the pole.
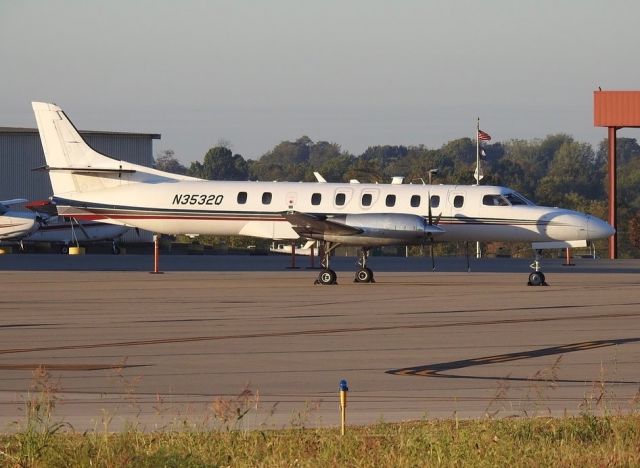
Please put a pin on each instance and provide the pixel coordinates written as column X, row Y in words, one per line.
column 568, row 258
column 343, row 404
column 312, row 257
column 478, row 151
column 293, row 257
column 478, row 253
column 156, row 255
column 613, row 215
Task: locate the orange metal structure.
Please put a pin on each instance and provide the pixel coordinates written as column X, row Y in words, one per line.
column 614, row 110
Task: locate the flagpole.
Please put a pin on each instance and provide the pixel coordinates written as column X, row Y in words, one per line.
column 478, row 151
column 478, row 254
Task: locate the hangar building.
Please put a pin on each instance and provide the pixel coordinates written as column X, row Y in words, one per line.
column 21, row 151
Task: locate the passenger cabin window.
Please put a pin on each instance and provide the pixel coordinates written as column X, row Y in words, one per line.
column 366, row 199
column 316, row 198
column 494, row 200
column 266, row 198
column 458, row 201
column 242, row 198
column 415, row 201
column 435, row 201
column 390, row 200
column 340, row 199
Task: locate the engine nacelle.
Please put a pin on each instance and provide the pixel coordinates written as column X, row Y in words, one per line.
column 384, row 229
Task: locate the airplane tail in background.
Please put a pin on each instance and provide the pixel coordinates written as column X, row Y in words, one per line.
column 75, row 167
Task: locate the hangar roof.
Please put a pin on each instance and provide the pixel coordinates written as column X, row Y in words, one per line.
column 153, row 136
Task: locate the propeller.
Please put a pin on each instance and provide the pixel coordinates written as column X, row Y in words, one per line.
column 42, row 219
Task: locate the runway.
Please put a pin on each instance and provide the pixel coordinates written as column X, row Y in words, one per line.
column 156, row 350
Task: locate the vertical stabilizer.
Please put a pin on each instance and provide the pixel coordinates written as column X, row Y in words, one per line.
column 64, row 148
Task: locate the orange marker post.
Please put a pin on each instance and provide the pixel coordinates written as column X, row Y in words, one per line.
column 568, row 258
column 343, row 404
column 156, row 255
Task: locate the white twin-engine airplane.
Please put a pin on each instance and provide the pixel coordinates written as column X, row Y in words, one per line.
column 88, row 185
column 44, row 226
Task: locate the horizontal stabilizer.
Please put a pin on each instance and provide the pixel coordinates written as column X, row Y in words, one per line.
column 307, row 225
column 42, row 206
column 87, row 170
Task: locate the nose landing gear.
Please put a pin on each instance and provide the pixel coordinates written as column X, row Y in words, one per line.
column 536, row 277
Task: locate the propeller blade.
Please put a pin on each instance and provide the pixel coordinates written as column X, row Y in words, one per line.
column 433, row 259
column 430, row 213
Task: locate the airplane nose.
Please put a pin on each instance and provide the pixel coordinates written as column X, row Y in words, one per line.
column 599, row 229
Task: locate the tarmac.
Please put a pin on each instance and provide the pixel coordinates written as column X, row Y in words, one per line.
column 245, row 341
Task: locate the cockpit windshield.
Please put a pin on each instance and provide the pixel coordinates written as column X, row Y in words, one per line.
column 505, row 199
column 517, row 199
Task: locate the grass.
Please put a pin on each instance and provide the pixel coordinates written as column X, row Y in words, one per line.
column 585, row 440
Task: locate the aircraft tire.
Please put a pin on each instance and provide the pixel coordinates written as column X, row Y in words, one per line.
column 536, row 278
column 115, row 250
column 327, row 276
column 64, row 249
column 364, row 275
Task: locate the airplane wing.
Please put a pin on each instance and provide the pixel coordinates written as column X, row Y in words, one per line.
column 307, row 225
column 13, row 201
column 5, row 204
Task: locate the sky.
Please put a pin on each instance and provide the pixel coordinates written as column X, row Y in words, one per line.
column 357, row 73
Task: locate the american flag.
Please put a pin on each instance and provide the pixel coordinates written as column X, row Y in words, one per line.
column 484, row 136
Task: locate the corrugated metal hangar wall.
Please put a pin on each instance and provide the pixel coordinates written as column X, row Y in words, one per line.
column 21, row 151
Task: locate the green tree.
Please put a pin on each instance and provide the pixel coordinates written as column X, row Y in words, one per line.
column 571, row 170
column 288, row 161
column 220, row 164
column 166, row 161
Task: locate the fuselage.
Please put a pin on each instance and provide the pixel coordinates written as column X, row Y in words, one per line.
column 473, row 213
column 16, row 224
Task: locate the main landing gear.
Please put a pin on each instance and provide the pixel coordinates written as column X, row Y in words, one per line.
column 328, row 276
column 364, row 274
column 536, row 277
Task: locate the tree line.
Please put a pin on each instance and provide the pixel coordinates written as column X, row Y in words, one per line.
column 554, row 171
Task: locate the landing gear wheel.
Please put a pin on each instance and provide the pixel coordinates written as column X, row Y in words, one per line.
column 115, row 250
column 364, row 275
column 64, row 249
column 327, row 276
column 537, row 279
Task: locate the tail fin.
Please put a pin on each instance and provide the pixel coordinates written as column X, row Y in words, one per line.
column 64, row 148
column 76, row 167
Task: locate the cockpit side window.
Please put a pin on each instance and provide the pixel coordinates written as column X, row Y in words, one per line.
column 494, row 200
